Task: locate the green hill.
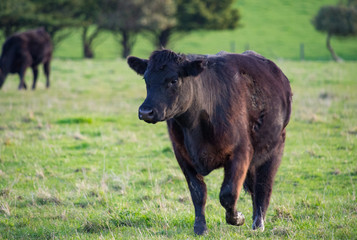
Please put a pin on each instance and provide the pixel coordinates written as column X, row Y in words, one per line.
column 274, row 28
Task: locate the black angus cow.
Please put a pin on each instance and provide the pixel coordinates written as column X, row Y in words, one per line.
column 23, row 50
column 225, row 110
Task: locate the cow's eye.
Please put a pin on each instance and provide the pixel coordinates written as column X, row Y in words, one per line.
column 172, row 82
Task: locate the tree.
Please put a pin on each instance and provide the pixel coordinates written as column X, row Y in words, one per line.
column 122, row 17
column 338, row 21
column 56, row 16
column 15, row 15
column 53, row 15
column 200, row 14
column 351, row 3
column 127, row 18
column 162, row 16
column 88, row 13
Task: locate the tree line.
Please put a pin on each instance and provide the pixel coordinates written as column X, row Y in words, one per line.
column 125, row 19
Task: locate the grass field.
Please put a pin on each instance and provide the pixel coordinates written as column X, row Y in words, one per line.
column 76, row 163
column 274, row 28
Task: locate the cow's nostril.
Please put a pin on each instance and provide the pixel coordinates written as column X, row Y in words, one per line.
column 146, row 111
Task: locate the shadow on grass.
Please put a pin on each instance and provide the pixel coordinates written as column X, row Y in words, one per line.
column 136, row 220
column 74, row 120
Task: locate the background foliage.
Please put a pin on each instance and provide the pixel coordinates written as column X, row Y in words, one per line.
column 260, row 28
column 339, row 20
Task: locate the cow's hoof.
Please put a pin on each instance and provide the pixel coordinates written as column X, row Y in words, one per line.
column 258, row 224
column 200, row 229
column 236, row 218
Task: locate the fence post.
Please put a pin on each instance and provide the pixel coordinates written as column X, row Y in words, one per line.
column 247, row 47
column 233, row 47
column 302, row 52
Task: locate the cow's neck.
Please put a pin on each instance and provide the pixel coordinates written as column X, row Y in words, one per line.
column 202, row 107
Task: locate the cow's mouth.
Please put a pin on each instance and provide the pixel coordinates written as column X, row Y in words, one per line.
column 149, row 121
column 152, row 120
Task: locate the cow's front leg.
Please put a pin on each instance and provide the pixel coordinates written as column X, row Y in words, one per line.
column 198, row 192
column 199, row 195
column 194, row 180
column 235, row 170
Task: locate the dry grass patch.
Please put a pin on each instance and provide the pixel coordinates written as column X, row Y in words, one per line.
column 5, row 208
column 44, row 196
column 282, row 213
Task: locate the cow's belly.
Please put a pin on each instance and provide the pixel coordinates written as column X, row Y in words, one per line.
column 205, row 160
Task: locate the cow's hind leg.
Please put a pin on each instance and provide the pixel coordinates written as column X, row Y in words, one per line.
column 235, row 171
column 35, row 74
column 46, row 69
column 264, row 180
column 249, row 184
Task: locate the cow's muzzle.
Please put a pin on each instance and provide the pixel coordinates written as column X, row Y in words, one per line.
column 147, row 114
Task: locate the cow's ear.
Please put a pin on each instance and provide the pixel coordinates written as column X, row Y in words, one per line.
column 137, row 64
column 191, row 68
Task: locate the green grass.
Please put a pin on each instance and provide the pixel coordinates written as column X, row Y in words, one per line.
column 75, row 161
column 274, row 28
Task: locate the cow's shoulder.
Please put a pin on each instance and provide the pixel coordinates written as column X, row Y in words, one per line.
column 251, row 59
column 221, row 53
column 11, row 42
column 252, row 53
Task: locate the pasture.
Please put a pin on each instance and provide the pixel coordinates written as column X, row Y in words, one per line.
column 76, row 163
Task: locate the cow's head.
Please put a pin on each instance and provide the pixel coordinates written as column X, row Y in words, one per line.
column 3, row 70
column 167, row 77
column 2, row 76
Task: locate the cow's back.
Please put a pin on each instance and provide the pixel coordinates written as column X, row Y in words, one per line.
column 268, row 96
column 266, row 85
column 35, row 43
column 254, row 97
column 39, row 45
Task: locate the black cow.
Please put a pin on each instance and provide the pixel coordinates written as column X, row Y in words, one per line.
column 23, row 50
column 224, row 110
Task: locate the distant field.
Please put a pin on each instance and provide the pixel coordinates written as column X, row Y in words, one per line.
column 274, row 28
column 76, row 163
